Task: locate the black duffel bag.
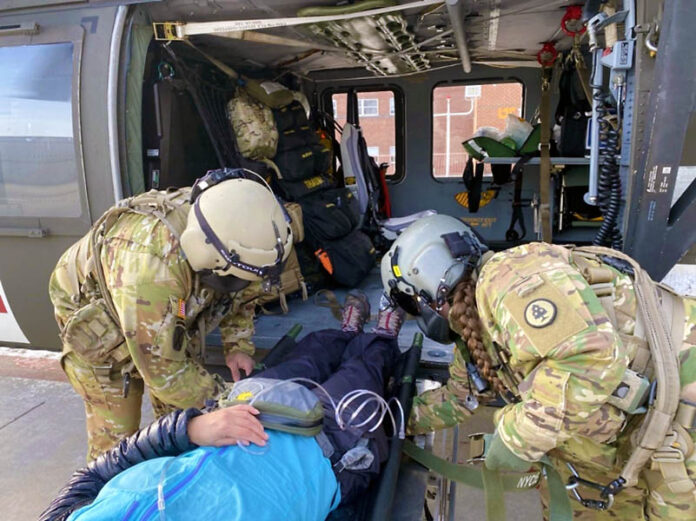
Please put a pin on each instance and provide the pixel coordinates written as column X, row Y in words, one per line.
column 330, row 214
column 349, row 259
column 296, row 137
column 296, row 190
column 322, row 159
column 296, row 164
column 290, row 116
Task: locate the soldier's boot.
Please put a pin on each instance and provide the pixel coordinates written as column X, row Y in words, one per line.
column 356, row 311
column 389, row 320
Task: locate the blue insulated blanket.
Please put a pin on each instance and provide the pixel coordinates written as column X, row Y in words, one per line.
column 289, row 479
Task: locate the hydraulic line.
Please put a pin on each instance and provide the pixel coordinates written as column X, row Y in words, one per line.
column 609, row 182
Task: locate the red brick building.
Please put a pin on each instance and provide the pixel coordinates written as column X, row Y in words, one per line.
column 457, row 112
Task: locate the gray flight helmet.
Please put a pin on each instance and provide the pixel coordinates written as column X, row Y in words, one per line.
column 425, row 263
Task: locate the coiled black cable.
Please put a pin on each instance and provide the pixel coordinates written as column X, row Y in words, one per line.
column 609, row 182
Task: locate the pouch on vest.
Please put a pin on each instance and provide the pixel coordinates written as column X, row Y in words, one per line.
column 283, row 405
column 91, row 334
column 291, row 281
column 296, row 221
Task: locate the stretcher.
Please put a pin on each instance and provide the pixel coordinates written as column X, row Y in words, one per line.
column 399, row 492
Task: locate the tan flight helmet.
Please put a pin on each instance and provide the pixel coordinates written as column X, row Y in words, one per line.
column 237, row 227
column 423, row 266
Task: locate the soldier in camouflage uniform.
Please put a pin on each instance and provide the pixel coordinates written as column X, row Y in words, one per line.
column 136, row 296
column 554, row 331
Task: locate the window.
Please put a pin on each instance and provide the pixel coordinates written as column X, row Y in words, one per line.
column 38, row 165
column 472, row 91
column 379, row 130
column 458, row 111
column 368, row 107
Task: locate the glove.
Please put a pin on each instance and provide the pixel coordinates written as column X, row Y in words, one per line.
column 499, row 457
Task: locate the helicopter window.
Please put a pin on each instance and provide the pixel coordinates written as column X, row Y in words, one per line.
column 38, row 166
column 460, row 110
column 377, row 114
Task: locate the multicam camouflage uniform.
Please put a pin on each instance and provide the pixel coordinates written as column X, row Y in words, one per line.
column 568, row 357
column 160, row 305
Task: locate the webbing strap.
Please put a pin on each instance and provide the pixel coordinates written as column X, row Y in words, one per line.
column 495, row 484
column 468, row 474
column 495, row 493
column 545, row 161
column 660, row 415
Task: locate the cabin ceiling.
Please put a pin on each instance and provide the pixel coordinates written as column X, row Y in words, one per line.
column 508, row 32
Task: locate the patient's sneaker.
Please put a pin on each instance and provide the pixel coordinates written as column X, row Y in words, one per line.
column 389, row 320
column 356, row 311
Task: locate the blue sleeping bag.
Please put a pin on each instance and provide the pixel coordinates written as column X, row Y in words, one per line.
column 289, row 479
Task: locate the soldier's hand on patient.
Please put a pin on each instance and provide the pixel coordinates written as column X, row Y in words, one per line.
column 237, row 360
column 228, row 426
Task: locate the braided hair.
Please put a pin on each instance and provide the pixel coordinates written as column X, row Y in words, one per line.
column 465, row 314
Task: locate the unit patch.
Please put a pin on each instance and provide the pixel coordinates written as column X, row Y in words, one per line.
column 540, row 313
column 545, row 315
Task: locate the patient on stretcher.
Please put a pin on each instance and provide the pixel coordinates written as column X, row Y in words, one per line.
column 224, row 464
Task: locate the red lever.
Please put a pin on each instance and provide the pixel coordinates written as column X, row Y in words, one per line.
column 547, row 55
column 572, row 23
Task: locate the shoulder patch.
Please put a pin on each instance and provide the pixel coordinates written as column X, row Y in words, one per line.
column 546, row 317
column 540, row 313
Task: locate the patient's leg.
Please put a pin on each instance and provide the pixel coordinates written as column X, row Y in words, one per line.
column 317, row 356
column 368, row 360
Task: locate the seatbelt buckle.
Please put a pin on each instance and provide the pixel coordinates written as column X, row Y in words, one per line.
column 478, row 446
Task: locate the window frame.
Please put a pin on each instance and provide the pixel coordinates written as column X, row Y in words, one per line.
column 459, row 83
column 34, row 226
column 399, row 118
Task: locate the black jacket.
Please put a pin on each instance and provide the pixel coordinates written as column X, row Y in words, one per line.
column 165, row 437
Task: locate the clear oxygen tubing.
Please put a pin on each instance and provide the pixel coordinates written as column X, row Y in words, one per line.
column 381, row 406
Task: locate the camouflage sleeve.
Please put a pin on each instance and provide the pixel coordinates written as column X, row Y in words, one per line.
column 557, row 334
column 237, row 327
column 146, row 290
column 443, row 407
